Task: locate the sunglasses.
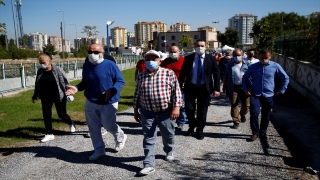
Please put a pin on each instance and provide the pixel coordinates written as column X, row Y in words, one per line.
column 94, row 52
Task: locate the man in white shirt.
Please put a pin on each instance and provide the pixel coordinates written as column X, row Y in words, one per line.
column 250, row 57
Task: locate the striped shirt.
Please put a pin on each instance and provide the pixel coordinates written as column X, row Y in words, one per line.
column 158, row 92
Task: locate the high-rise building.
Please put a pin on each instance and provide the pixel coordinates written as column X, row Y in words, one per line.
column 243, row 23
column 144, row 31
column 37, row 40
column 119, row 36
column 209, row 28
column 131, row 39
column 57, row 43
column 180, row 27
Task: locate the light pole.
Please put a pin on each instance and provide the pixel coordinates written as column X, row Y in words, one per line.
column 76, row 36
column 217, row 33
column 109, row 23
column 64, row 32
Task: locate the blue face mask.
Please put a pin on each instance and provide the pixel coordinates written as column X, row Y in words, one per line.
column 152, row 65
column 237, row 58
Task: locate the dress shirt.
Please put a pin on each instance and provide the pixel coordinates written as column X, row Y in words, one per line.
column 158, row 92
column 263, row 77
column 238, row 74
column 195, row 69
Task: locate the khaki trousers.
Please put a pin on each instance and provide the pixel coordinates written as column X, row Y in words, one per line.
column 239, row 94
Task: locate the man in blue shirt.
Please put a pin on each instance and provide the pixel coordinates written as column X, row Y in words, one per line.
column 262, row 91
column 102, row 81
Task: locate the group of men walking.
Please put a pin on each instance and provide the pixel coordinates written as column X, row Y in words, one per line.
column 174, row 90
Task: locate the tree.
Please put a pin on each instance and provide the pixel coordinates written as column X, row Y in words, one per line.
column 230, row 37
column 49, row 49
column 91, row 31
column 185, row 41
column 274, row 25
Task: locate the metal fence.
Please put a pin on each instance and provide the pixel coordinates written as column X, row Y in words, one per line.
column 19, row 76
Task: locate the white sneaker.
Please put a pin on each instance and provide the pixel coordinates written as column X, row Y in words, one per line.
column 72, row 127
column 120, row 145
column 170, row 157
column 96, row 156
column 47, row 137
column 103, row 131
column 146, row 171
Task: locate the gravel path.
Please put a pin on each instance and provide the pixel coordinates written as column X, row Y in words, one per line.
column 224, row 153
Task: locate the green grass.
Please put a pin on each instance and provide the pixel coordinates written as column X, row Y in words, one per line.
column 21, row 121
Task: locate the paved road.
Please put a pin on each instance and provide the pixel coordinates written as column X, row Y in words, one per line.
column 225, row 153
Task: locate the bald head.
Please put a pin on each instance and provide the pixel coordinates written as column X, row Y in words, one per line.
column 174, row 52
column 237, row 52
column 96, row 47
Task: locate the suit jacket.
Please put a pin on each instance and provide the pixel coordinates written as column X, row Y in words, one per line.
column 211, row 73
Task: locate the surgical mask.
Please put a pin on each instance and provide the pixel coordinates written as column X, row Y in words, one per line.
column 95, row 59
column 264, row 61
column 173, row 55
column 152, row 65
column 228, row 57
column 44, row 66
column 237, row 59
column 200, row 50
column 250, row 55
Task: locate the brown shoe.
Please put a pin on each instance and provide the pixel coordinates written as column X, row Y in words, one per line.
column 254, row 137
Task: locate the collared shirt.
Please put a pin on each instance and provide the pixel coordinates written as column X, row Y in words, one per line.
column 158, row 92
column 238, row 74
column 195, row 69
column 230, row 74
column 263, row 77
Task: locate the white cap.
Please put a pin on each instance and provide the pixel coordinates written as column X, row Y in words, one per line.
column 163, row 56
column 152, row 52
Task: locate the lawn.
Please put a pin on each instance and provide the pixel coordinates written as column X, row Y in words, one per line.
column 21, row 121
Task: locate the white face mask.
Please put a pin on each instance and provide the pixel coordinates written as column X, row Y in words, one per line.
column 200, row 50
column 95, row 59
column 264, row 61
column 174, row 55
column 44, row 66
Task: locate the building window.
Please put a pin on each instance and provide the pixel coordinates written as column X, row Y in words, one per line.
column 162, row 44
column 162, row 38
column 173, row 44
column 196, row 37
column 173, row 37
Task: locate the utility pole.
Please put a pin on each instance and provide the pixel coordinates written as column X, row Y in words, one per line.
column 62, row 40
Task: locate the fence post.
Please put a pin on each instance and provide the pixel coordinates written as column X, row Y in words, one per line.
column 35, row 68
column 68, row 65
column 3, row 72
column 121, row 63
column 75, row 69
column 23, row 78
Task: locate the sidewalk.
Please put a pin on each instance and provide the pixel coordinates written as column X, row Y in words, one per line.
column 224, row 153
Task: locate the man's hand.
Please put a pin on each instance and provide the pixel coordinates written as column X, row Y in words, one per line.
column 137, row 115
column 108, row 94
column 248, row 93
column 216, row 94
column 277, row 93
column 71, row 90
column 175, row 113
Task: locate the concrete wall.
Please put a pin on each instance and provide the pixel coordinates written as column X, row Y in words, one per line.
column 304, row 77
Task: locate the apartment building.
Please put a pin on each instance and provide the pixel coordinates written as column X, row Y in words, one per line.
column 180, row 27
column 243, row 23
column 56, row 41
column 209, row 28
column 119, row 36
column 144, row 31
column 37, row 40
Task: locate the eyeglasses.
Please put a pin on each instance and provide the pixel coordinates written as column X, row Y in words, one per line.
column 94, row 52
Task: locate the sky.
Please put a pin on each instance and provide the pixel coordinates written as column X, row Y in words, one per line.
column 41, row 15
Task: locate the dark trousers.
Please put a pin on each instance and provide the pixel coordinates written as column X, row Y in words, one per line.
column 266, row 104
column 61, row 109
column 192, row 92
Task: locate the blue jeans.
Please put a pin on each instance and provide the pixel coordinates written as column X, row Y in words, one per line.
column 266, row 104
column 150, row 121
column 182, row 119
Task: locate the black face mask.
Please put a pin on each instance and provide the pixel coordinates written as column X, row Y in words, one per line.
column 250, row 55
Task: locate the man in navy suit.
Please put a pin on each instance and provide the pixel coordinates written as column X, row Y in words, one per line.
column 200, row 77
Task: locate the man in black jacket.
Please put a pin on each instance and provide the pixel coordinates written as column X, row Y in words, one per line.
column 200, row 77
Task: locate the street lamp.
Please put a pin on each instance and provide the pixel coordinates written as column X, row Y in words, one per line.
column 64, row 32
column 109, row 23
column 217, row 33
column 76, row 36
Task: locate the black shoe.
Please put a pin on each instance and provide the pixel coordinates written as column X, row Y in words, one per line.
column 200, row 135
column 235, row 126
column 254, row 137
column 190, row 131
column 263, row 136
column 243, row 119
